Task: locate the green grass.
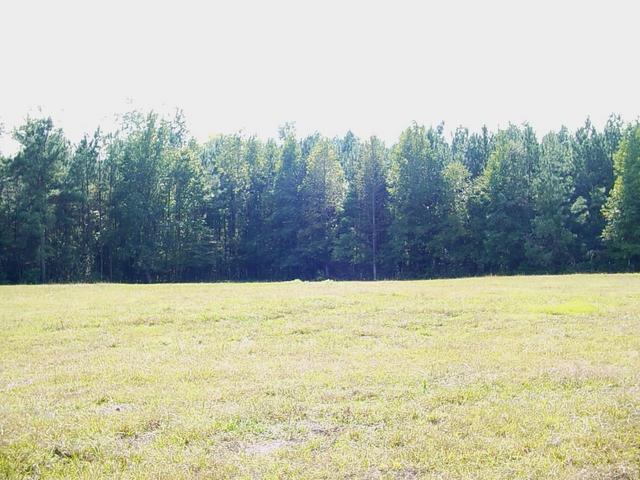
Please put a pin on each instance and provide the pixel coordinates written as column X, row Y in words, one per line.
column 519, row 377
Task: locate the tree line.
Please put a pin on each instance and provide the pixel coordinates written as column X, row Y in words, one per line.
column 148, row 203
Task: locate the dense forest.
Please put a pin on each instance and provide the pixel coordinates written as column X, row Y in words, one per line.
column 148, row 203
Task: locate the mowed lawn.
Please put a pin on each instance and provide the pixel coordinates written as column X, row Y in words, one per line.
column 515, row 377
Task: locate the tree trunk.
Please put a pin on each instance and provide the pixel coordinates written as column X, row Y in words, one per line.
column 43, row 263
column 373, row 221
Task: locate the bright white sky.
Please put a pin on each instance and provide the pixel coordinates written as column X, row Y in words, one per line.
column 369, row 66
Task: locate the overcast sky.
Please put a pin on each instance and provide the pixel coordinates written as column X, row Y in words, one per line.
column 330, row 66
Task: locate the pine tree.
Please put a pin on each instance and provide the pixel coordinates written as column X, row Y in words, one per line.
column 550, row 247
column 508, row 199
column 36, row 171
column 622, row 210
column 323, row 190
column 593, row 157
column 189, row 242
column 418, row 200
column 139, row 157
column 363, row 239
column 78, row 212
column 285, row 211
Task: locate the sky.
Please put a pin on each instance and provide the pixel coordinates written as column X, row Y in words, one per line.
column 329, row 66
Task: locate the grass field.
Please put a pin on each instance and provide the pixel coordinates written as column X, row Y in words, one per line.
column 519, row 377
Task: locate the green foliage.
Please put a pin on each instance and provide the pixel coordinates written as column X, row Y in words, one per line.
column 363, row 241
column 139, row 157
column 455, row 237
column 550, row 246
column 323, row 191
column 225, row 158
column 147, row 203
column 35, row 175
column 622, row 210
column 471, row 150
column 593, row 166
column 284, row 215
column 418, row 200
column 189, row 242
column 508, row 199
